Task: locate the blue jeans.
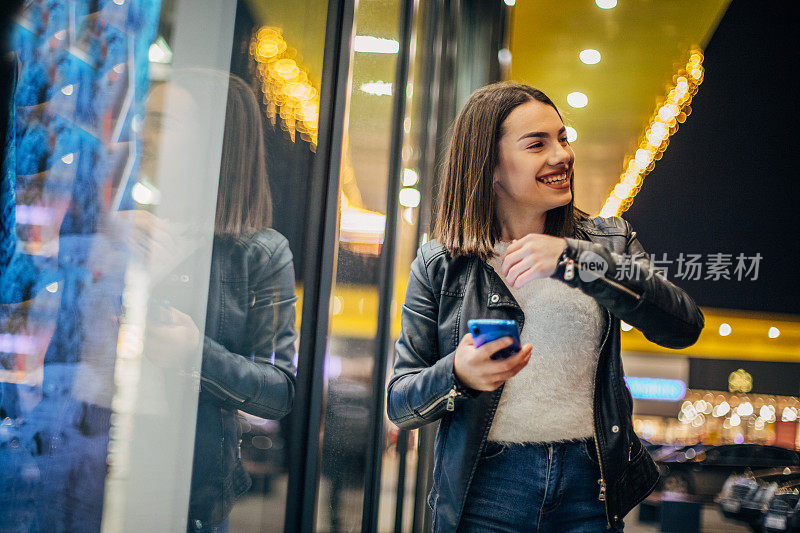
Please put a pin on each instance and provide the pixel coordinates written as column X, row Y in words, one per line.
column 542, row 488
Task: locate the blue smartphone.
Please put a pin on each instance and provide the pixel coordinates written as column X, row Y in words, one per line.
column 488, row 329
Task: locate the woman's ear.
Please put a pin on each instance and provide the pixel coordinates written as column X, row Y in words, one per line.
column 495, row 177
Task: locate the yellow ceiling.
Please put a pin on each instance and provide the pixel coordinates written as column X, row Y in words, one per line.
column 642, row 42
column 748, row 338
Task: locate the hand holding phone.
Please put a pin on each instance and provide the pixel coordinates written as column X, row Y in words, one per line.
column 486, row 330
column 490, row 354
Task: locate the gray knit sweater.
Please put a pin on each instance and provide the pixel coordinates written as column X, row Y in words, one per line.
column 551, row 398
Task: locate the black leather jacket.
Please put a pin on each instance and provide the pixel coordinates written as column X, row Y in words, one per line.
column 444, row 292
column 247, row 363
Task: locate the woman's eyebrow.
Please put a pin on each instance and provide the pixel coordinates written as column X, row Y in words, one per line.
column 534, row 135
column 541, row 134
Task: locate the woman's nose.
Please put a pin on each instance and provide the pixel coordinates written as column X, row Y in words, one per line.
column 561, row 154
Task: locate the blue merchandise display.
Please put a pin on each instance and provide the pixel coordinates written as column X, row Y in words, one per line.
column 71, row 156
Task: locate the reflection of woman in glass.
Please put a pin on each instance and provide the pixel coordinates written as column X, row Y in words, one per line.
column 543, row 440
column 250, row 333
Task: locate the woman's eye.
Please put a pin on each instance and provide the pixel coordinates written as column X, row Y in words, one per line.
column 564, row 140
column 535, row 145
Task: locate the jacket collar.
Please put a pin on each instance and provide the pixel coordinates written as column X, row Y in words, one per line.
column 498, row 295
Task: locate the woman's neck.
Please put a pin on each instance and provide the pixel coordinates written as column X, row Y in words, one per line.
column 516, row 223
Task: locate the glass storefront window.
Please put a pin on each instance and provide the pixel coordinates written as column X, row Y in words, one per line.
column 399, row 457
column 349, row 361
column 161, row 156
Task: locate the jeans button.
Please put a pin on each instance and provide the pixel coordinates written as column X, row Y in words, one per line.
column 614, row 429
column 198, row 524
column 495, row 298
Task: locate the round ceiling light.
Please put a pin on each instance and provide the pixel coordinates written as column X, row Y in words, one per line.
column 606, row 4
column 577, row 99
column 590, row 56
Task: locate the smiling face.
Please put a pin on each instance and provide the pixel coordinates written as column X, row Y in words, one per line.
column 534, row 168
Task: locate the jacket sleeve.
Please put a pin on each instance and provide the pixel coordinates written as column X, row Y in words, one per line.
column 422, row 384
column 261, row 382
column 632, row 290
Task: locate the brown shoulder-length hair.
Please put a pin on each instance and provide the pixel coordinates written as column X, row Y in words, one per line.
column 465, row 222
column 244, row 200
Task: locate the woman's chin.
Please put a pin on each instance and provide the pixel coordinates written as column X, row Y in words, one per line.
column 562, row 199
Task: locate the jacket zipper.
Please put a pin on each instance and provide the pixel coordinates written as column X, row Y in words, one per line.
column 495, row 402
column 450, row 397
column 221, row 388
column 569, row 273
column 601, row 481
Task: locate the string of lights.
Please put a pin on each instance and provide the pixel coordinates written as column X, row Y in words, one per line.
column 652, row 144
column 288, row 93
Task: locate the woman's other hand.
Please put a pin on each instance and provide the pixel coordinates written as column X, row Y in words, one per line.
column 145, row 234
column 475, row 368
column 172, row 340
column 533, row 256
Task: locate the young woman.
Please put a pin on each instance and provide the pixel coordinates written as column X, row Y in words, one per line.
column 543, row 440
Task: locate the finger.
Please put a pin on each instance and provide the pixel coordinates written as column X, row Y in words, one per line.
column 523, row 362
column 508, row 374
column 527, row 276
column 521, row 266
column 485, row 351
column 512, row 362
column 521, row 248
column 180, row 317
column 513, row 254
column 144, row 237
column 148, row 222
column 467, row 340
column 515, row 257
column 161, row 234
column 515, row 245
column 164, row 231
column 509, row 260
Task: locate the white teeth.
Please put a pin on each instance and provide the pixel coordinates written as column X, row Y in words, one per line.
column 555, row 179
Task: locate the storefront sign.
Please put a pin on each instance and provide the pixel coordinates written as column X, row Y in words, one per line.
column 656, row 389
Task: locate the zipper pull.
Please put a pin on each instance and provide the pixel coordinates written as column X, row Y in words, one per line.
column 602, row 496
column 451, row 399
column 569, row 271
